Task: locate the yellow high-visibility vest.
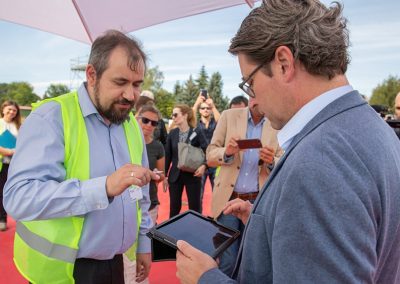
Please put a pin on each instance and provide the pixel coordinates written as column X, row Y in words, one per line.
column 45, row 251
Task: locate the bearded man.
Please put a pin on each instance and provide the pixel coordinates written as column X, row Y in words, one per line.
column 78, row 186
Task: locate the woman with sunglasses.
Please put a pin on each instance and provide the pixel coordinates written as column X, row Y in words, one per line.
column 149, row 117
column 11, row 122
column 185, row 121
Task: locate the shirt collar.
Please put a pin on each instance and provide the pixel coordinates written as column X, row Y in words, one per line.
column 85, row 102
column 250, row 118
column 308, row 112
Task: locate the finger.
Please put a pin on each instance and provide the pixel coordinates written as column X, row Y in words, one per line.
column 186, row 249
column 153, row 175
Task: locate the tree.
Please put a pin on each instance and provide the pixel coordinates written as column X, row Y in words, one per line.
column 55, row 90
column 153, row 80
column 215, row 91
column 20, row 92
column 189, row 92
column 202, row 80
column 165, row 102
column 385, row 93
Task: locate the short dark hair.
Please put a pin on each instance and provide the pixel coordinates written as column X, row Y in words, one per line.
column 105, row 44
column 316, row 35
column 239, row 100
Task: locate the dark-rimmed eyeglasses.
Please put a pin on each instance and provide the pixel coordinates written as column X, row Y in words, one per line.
column 245, row 86
column 145, row 120
column 175, row 115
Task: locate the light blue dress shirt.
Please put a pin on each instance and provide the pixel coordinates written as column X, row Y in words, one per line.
column 36, row 188
column 247, row 180
column 308, row 112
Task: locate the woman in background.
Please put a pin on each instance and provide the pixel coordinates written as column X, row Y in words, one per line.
column 10, row 121
column 185, row 122
column 148, row 117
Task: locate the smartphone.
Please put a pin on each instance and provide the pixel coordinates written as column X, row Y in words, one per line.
column 249, row 143
column 203, row 92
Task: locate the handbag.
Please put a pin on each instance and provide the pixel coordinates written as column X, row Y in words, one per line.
column 190, row 158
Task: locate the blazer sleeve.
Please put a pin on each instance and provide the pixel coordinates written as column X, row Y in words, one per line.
column 216, row 149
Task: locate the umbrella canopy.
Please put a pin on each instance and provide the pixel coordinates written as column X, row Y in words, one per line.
column 84, row 20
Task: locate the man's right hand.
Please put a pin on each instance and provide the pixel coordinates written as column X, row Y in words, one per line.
column 126, row 176
column 232, row 147
column 239, row 208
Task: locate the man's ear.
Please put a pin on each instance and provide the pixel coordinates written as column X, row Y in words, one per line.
column 285, row 60
column 90, row 75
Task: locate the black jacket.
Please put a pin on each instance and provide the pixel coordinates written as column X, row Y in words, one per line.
column 171, row 151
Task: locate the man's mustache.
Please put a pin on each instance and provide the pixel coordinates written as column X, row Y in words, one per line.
column 125, row 102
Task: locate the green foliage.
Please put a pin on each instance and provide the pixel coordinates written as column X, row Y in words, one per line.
column 164, row 100
column 215, row 91
column 55, row 90
column 202, row 80
column 189, row 92
column 385, row 93
column 20, row 92
column 153, row 80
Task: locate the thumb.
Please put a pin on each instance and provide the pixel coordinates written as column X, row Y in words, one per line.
column 186, row 249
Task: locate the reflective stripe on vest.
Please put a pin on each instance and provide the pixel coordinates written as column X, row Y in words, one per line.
column 45, row 250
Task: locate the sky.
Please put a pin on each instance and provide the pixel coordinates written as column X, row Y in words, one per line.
column 179, row 48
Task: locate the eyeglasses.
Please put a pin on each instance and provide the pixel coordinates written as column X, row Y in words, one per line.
column 147, row 121
column 175, row 115
column 203, row 108
column 245, row 86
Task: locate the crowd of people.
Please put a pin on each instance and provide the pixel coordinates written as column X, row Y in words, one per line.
column 316, row 201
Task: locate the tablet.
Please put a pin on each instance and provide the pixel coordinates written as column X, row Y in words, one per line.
column 201, row 232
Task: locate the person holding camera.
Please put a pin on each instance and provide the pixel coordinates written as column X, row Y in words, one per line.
column 209, row 116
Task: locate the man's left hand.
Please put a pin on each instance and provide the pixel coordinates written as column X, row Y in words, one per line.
column 143, row 264
column 191, row 263
column 267, row 154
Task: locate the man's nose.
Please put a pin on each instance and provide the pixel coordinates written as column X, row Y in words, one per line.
column 129, row 94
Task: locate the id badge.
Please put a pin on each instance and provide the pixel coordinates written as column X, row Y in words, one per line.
column 135, row 193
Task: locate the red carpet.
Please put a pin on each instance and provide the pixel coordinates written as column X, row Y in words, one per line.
column 161, row 272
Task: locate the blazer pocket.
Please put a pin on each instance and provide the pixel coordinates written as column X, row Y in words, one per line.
column 256, row 257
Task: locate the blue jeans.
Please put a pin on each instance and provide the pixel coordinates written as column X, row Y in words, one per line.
column 210, row 173
column 227, row 259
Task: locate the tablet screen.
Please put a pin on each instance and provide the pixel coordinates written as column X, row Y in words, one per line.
column 203, row 234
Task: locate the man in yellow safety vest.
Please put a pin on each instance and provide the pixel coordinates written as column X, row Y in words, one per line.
column 78, row 187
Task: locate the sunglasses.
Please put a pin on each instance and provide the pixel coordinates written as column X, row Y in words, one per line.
column 203, row 108
column 174, row 115
column 147, row 121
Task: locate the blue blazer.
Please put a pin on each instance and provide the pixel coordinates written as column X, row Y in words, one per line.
column 330, row 210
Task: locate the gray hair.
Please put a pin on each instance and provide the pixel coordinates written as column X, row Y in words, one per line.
column 316, row 35
column 105, row 44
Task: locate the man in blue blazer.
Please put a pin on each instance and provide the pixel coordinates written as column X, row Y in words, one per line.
column 329, row 212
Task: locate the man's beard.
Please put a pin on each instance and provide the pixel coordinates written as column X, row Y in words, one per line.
column 112, row 113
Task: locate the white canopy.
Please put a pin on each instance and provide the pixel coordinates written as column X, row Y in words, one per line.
column 84, row 20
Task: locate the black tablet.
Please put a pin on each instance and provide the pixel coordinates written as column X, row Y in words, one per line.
column 201, row 232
